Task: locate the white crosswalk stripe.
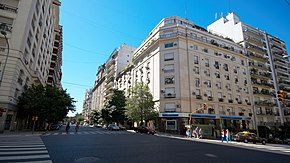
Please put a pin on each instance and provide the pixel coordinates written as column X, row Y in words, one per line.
column 23, row 149
column 89, row 133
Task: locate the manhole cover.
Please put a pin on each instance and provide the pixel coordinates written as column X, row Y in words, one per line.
column 87, row 160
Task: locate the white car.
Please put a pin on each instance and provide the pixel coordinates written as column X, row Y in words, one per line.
column 113, row 127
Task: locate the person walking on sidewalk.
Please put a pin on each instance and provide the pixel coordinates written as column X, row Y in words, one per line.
column 228, row 136
column 196, row 131
column 223, row 135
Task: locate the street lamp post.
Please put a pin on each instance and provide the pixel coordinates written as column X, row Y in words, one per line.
column 2, row 74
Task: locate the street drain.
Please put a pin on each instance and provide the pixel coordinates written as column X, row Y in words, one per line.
column 87, row 160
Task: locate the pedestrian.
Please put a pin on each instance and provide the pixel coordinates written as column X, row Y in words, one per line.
column 46, row 126
column 77, row 127
column 200, row 133
column 228, row 136
column 223, row 135
column 67, row 127
column 196, row 132
column 188, row 133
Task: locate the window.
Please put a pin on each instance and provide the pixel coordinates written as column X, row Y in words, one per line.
column 230, row 96
column 206, row 62
column 196, row 70
column 195, row 59
column 171, row 21
column 226, row 67
column 216, row 64
column 208, row 84
column 197, row 82
column 170, row 107
column 207, row 72
column 228, row 86
column 219, row 85
column 16, row 92
column 195, row 47
column 208, row 93
column 236, row 80
column 205, row 50
column 227, row 76
column 168, row 45
column 244, row 71
column 197, row 92
column 217, row 74
column 169, row 80
column 170, row 90
column 219, row 94
column 242, row 62
column 168, row 68
column 168, row 56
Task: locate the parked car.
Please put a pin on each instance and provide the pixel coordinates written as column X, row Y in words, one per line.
column 113, row 127
column 122, row 128
column 55, row 126
column 248, row 137
column 144, row 129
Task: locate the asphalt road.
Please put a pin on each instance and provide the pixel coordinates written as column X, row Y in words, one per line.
column 100, row 145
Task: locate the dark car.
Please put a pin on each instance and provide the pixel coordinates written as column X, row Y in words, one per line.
column 248, row 137
column 55, row 126
column 144, row 129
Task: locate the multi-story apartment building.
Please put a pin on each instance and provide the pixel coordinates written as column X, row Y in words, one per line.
column 98, row 89
column 29, row 29
column 107, row 73
column 185, row 66
column 55, row 74
column 269, row 67
column 119, row 59
column 87, row 105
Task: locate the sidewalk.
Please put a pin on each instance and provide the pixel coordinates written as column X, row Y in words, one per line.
column 25, row 132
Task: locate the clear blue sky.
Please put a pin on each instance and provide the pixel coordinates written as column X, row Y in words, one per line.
column 92, row 29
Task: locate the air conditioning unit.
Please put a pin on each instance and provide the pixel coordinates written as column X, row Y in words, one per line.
column 162, row 91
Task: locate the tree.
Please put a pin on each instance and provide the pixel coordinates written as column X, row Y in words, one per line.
column 114, row 110
column 95, row 116
column 48, row 103
column 140, row 104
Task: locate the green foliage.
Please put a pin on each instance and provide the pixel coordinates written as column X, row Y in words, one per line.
column 48, row 103
column 95, row 116
column 114, row 110
column 140, row 104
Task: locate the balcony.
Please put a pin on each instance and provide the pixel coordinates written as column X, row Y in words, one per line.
column 169, row 95
column 264, row 92
column 209, row 98
column 8, row 8
column 198, row 97
column 6, row 27
column 253, row 33
column 254, row 41
column 262, row 84
column 221, row 99
column 264, row 103
column 259, row 66
column 257, row 57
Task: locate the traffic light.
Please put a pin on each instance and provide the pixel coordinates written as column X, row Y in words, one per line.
column 280, row 95
column 204, row 106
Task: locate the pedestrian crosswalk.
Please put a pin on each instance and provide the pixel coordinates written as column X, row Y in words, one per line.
column 23, row 149
column 89, row 133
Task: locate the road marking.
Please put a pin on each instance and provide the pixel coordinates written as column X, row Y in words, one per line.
column 20, row 149
column 63, row 133
column 9, row 146
column 23, row 152
column 210, row 155
column 23, row 157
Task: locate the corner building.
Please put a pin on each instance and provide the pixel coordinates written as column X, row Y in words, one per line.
column 269, row 68
column 35, row 46
column 185, row 66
